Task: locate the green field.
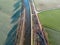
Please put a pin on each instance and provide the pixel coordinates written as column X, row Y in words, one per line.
column 50, row 20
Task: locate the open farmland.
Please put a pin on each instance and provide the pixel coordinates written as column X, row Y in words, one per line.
column 50, row 21
column 6, row 7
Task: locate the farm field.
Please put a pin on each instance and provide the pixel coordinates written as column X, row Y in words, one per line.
column 50, row 21
column 6, row 7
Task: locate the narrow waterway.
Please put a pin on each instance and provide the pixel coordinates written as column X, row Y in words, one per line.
column 28, row 23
